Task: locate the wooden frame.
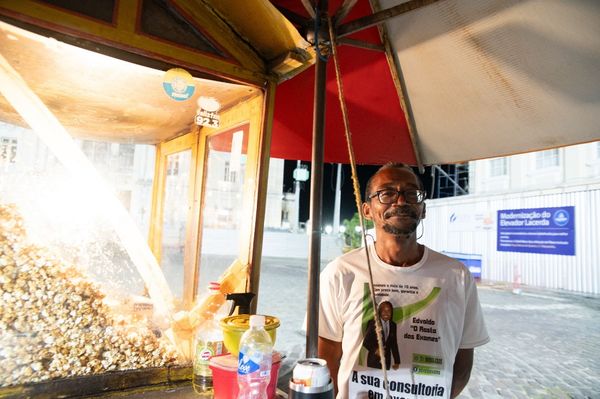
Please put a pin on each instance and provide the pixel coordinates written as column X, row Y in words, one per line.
column 124, row 34
column 254, row 116
column 252, row 113
column 186, row 142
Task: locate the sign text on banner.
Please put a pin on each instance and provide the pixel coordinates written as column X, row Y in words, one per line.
column 537, row 230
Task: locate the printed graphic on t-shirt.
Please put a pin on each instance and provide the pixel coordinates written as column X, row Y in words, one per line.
column 407, row 322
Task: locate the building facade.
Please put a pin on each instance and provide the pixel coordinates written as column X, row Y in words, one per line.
column 529, row 219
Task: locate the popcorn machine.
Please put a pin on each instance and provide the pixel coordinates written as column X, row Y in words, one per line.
column 127, row 138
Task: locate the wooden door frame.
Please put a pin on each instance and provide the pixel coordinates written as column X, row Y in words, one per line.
column 188, row 141
column 256, row 114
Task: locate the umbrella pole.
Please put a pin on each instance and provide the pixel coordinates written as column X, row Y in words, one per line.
column 316, row 197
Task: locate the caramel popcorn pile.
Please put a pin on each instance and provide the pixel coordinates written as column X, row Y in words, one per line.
column 54, row 322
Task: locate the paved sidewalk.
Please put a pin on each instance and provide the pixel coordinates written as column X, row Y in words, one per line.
column 544, row 345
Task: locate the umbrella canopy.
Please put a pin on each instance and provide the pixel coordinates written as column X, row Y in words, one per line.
column 482, row 79
column 379, row 128
column 377, row 121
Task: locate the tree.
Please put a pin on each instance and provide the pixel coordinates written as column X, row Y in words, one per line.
column 352, row 235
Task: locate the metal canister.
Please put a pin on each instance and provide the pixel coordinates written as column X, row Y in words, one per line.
column 311, row 379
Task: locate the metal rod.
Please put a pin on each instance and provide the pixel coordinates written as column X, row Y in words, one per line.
column 401, row 89
column 316, row 197
column 361, row 44
column 456, row 185
column 343, row 11
column 381, row 16
column 432, row 192
column 309, row 8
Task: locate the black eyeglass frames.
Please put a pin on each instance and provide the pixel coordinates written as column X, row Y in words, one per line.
column 389, row 196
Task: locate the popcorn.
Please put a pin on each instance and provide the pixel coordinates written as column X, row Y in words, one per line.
column 54, row 322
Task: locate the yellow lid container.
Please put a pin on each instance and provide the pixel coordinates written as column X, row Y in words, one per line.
column 234, row 326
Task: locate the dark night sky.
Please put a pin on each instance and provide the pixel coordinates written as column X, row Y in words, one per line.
column 348, row 207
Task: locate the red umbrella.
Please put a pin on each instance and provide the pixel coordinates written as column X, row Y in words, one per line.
column 380, row 133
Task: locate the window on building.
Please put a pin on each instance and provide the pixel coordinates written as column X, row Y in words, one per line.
column 97, row 152
column 546, row 159
column 126, row 152
column 498, row 167
column 8, row 150
column 173, row 165
column 226, row 171
column 285, row 214
column 230, row 175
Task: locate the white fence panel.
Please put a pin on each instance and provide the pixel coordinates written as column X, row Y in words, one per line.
column 468, row 225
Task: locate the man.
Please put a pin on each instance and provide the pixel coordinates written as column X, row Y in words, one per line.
column 439, row 319
column 390, row 339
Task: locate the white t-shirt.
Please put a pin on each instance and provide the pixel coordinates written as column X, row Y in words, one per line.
column 436, row 312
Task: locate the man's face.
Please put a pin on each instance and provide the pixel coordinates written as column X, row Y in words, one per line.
column 398, row 218
column 385, row 311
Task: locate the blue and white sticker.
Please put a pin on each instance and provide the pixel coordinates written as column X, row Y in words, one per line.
column 179, row 84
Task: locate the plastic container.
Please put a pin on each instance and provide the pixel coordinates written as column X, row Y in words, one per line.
column 235, row 326
column 254, row 360
column 208, row 343
column 224, row 369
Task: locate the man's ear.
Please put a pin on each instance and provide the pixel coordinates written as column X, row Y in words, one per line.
column 423, row 213
column 366, row 209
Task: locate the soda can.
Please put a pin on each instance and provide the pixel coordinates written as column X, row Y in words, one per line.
column 311, row 372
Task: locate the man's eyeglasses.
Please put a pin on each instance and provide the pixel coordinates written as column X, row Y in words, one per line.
column 389, row 196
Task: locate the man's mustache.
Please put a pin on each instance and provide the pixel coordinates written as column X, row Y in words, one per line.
column 403, row 210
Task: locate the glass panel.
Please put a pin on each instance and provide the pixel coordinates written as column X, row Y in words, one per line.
column 73, row 300
column 223, row 191
column 175, row 215
column 78, row 284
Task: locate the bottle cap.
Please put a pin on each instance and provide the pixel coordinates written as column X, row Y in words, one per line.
column 257, row 320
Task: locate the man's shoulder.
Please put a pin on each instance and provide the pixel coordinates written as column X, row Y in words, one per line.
column 350, row 256
column 348, row 261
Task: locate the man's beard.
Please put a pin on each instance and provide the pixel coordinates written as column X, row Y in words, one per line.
column 406, row 230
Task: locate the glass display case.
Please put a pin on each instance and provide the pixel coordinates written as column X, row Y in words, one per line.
column 108, row 183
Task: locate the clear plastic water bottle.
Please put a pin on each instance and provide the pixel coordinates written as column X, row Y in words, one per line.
column 209, row 343
column 254, row 364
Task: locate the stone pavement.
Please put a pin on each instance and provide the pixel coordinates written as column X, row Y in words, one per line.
column 543, row 344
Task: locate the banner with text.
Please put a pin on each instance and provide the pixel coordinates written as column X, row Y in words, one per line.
column 537, row 230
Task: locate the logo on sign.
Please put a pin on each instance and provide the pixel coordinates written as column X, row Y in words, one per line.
column 561, row 217
column 206, row 118
column 246, row 365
